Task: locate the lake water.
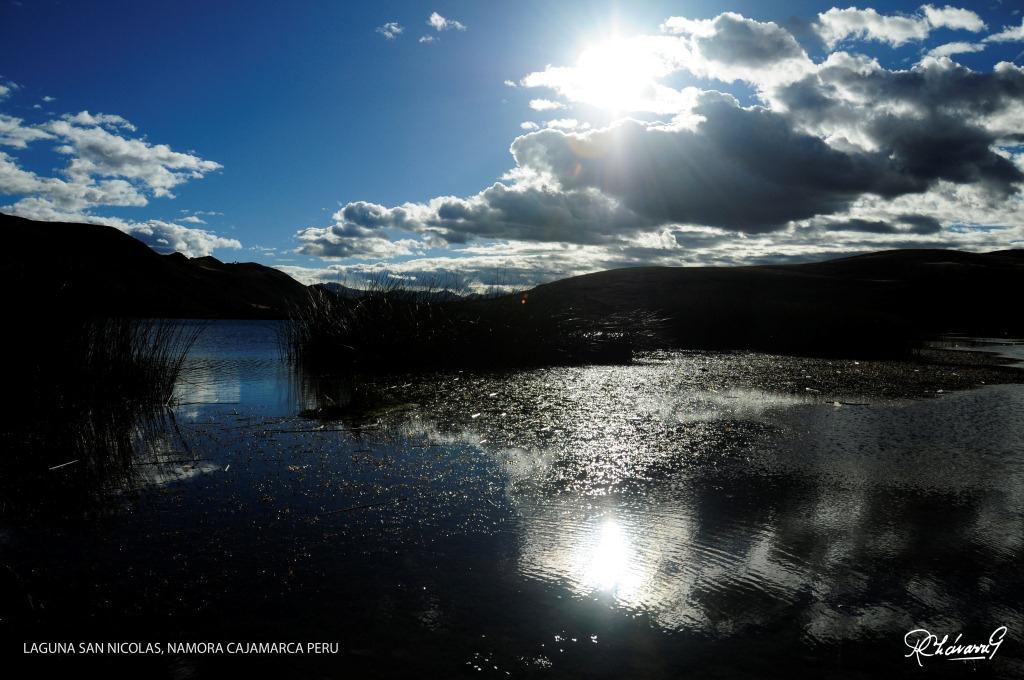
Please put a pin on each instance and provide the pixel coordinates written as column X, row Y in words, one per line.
column 692, row 515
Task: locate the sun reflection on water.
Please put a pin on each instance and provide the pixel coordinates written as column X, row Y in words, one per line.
column 605, row 560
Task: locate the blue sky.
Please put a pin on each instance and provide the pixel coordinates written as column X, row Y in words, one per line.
column 289, row 112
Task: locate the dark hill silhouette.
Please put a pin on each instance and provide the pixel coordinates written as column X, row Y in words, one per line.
column 97, row 269
column 879, row 303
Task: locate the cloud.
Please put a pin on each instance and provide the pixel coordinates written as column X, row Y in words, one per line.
column 563, row 124
column 7, row 87
column 545, row 105
column 510, row 83
column 48, row 99
column 13, row 133
column 953, row 18
column 163, row 237
column 1008, row 34
column 439, row 23
column 626, row 74
column 86, row 119
column 837, row 25
column 913, row 224
column 70, row 197
column 192, row 219
column 741, row 168
column 427, row 39
column 943, row 107
column 831, row 157
column 96, row 151
column 949, row 49
column 104, row 169
column 390, row 30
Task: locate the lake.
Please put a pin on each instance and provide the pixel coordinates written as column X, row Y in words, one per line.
column 690, row 515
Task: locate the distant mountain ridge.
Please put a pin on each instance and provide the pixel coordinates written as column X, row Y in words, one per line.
column 872, row 303
column 98, row 269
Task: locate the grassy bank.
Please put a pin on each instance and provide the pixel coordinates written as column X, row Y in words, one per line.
column 388, row 328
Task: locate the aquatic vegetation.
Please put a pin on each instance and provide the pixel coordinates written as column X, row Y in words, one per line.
column 389, row 328
column 82, row 390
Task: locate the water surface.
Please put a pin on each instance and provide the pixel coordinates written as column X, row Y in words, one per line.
column 694, row 514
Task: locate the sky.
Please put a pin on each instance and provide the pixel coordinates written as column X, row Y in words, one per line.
column 512, row 143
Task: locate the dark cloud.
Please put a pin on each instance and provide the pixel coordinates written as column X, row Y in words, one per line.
column 905, row 224
column 834, row 151
column 740, row 41
column 740, row 169
column 938, row 120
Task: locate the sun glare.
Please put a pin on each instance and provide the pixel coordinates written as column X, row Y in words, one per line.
column 617, row 74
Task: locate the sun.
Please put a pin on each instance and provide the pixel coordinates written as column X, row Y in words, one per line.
column 618, row 74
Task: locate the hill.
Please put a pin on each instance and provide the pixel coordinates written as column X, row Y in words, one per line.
column 872, row 304
column 878, row 303
column 99, row 269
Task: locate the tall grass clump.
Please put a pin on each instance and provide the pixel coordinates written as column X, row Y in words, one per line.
column 79, row 390
column 390, row 328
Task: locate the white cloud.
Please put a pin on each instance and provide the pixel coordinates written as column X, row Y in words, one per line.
column 48, row 99
column 1008, row 34
column 427, row 39
column 841, row 156
column 953, row 18
column 510, row 83
column 545, row 105
column 626, row 74
column 192, row 219
column 14, row 134
column 837, row 25
column 7, row 87
column 104, row 169
column 562, row 124
column 95, row 151
column 86, row 119
column 949, row 49
column 390, row 30
column 439, row 23
column 159, row 235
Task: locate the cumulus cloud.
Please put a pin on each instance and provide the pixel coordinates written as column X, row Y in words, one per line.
column 837, row 25
column 439, row 23
column 626, row 74
column 953, row 18
column 7, row 87
column 427, row 39
column 830, row 157
column 563, row 124
column 86, row 119
column 14, row 133
column 545, row 105
column 390, row 30
column 1008, row 34
column 104, row 169
column 949, row 49
column 96, row 151
column 164, row 237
